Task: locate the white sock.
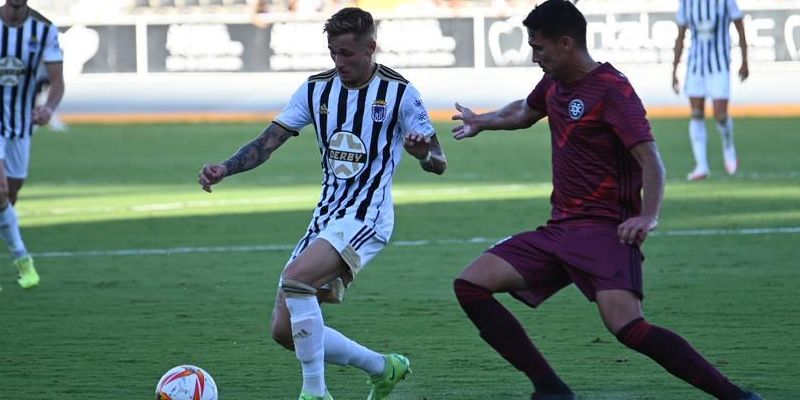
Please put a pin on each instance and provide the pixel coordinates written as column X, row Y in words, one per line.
column 697, row 133
column 726, row 132
column 308, row 333
column 9, row 228
column 341, row 350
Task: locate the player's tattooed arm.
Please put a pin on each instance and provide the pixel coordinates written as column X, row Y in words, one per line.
column 259, row 150
column 435, row 161
column 427, row 150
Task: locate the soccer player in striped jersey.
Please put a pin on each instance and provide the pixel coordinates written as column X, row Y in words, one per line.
column 28, row 41
column 364, row 115
column 608, row 184
column 708, row 74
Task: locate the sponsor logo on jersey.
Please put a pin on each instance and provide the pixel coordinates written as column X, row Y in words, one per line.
column 379, row 110
column 575, row 109
column 323, row 109
column 12, row 70
column 347, row 155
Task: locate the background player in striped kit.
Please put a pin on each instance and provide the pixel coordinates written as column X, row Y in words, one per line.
column 364, row 114
column 608, row 184
column 28, row 41
column 708, row 74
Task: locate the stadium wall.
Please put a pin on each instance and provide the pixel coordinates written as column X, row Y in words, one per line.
column 244, row 67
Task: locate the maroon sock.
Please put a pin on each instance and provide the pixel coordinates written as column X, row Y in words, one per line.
column 499, row 328
column 678, row 357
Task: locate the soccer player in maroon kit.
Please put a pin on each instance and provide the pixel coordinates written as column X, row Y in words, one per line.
column 608, row 184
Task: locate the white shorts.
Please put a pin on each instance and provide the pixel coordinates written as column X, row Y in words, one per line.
column 16, row 154
column 355, row 242
column 716, row 85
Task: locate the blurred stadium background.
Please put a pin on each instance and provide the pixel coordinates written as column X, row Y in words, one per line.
column 141, row 270
column 172, row 59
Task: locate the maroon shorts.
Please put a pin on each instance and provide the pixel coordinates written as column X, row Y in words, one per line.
column 588, row 255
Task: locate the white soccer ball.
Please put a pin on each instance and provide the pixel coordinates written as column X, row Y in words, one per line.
column 186, row 382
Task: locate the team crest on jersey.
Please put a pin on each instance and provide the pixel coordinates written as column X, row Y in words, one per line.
column 379, row 110
column 347, row 155
column 33, row 43
column 12, row 70
column 575, row 109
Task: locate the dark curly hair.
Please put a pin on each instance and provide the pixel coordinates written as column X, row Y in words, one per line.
column 555, row 18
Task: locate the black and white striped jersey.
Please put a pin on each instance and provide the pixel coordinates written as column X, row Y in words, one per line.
column 360, row 136
column 24, row 49
column 709, row 22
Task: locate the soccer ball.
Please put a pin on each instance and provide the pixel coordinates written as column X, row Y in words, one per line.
column 186, row 382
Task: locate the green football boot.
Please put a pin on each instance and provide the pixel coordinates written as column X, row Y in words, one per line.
column 306, row 396
column 396, row 369
column 28, row 277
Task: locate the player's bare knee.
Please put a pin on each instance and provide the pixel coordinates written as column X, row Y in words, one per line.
column 466, row 275
column 619, row 315
column 614, row 324
column 472, row 278
column 697, row 113
column 618, row 308
column 477, row 272
column 721, row 118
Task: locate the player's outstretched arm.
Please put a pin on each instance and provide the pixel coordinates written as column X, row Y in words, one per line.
column 428, row 151
column 516, row 115
column 634, row 230
column 248, row 157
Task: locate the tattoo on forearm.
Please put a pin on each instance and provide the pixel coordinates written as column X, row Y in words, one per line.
column 256, row 152
column 437, row 163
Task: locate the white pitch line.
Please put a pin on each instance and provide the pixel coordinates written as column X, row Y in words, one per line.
column 405, row 243
column 728, row 232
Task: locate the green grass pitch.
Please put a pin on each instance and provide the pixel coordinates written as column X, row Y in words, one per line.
column 142, row 271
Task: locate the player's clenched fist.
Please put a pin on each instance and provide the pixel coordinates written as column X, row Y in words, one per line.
column 41, row 115
column 417, row 145
column 211, row 174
